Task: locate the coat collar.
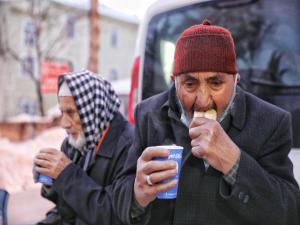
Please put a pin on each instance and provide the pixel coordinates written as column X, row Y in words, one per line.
column 171, row 106
column 238, row 111
column 108, row 145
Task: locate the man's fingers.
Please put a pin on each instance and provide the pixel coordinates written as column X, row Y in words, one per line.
column 52, row 157
column 50, row 162
column 198, row 152
column 160, row 176
column 160, row 187
column 41, row 170
column 44, row 156
column 206, row 129
column 153, row 166
column 42, row 163
column 198, row 121
column 165, row 186
column 50, row 151
column 196, row 132
column 153, row 152
column 197, row 141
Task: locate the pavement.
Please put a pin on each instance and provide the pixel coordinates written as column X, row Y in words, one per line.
column 27, row 207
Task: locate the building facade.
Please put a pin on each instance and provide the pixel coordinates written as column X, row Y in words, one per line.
column 40, row 38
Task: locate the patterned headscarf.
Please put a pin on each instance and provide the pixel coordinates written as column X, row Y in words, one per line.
column 96, row 103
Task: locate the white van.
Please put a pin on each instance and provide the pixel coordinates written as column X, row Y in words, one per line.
column 267, row 39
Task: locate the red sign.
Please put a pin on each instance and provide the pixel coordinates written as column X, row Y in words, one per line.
column 50, row 72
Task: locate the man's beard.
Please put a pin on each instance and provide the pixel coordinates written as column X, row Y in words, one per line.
column 79, row 142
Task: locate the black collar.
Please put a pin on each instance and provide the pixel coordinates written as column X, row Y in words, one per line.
column 171, row 106
column 109, row 143
column 238, row 111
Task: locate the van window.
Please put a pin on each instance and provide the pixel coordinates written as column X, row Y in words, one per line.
column 267, row 41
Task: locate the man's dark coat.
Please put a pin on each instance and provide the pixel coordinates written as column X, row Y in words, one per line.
column 265, row 192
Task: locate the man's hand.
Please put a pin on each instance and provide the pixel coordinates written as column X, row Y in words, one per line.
column 210, row 142
column 51, row 162
column 157, row 171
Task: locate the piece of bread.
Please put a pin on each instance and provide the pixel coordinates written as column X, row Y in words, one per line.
column 209, row 114
column 198, row 114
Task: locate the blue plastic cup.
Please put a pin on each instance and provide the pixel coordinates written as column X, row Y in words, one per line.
column 176, row 155
column 44, row 179
column 41, row 178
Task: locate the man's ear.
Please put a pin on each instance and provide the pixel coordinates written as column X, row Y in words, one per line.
column 172, row 77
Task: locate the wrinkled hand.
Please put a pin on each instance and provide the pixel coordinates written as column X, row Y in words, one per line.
column 210, row 142
column 51, row 162
column 157, row 170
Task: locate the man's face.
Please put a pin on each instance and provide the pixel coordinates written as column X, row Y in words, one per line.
column 201, row 91
column 70, row 119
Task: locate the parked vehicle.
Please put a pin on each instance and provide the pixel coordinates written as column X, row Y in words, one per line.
column 267, row 39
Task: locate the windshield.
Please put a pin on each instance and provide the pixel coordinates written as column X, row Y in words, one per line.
column 267, row 42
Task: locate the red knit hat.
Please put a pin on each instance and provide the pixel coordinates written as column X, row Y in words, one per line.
column 205, row 48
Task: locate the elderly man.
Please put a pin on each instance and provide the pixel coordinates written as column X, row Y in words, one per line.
column 235, row 169
column 92, row 155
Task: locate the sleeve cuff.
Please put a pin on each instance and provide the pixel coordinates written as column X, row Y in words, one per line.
column 136, row 210
column 138, row 214
column 230, row 177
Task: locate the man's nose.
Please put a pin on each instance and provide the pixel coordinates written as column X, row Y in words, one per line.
column 203, row 100
column 65, row 122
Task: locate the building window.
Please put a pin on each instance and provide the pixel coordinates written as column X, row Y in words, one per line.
column 28, row 66
column 30, row 34
column 70, row 26
column 113, row 75
column 27, row 106
column 114, row 37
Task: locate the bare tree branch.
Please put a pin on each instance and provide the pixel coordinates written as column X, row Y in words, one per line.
column 44, row 19
column 54, row 42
